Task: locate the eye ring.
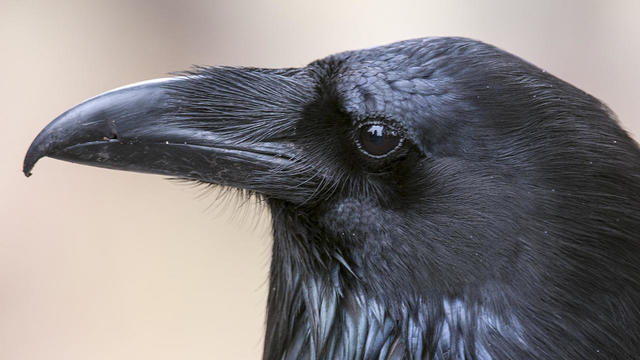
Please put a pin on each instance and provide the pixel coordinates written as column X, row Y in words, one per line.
column 378, row 140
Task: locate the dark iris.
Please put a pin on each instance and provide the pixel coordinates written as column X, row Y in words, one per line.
column 377, row 139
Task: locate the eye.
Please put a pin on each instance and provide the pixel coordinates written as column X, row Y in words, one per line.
column 378, row 140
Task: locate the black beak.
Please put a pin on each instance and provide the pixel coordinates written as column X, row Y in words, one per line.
column 226, row 126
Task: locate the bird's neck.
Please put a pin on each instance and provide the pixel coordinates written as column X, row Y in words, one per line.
column 319, row 307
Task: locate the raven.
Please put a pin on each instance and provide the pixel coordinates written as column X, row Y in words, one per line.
column 435, row 198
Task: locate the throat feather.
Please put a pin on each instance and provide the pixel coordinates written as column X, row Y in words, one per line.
column 338, row 322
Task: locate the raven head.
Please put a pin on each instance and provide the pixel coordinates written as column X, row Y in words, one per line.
column 403, row 180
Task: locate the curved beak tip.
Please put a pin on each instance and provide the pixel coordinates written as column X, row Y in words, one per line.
column 30, row 160
column 39, row 148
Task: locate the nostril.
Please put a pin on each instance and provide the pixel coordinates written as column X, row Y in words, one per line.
column 113, row 136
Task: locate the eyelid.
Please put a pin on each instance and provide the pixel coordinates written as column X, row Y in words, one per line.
column 390, row 124
column 400, row 143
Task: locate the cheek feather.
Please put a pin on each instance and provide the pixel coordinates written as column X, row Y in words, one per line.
column 354, row 217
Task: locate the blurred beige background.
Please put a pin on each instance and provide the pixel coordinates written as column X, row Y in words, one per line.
column 98, row 264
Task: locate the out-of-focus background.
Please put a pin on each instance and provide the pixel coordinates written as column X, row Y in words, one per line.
column 100, row 264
